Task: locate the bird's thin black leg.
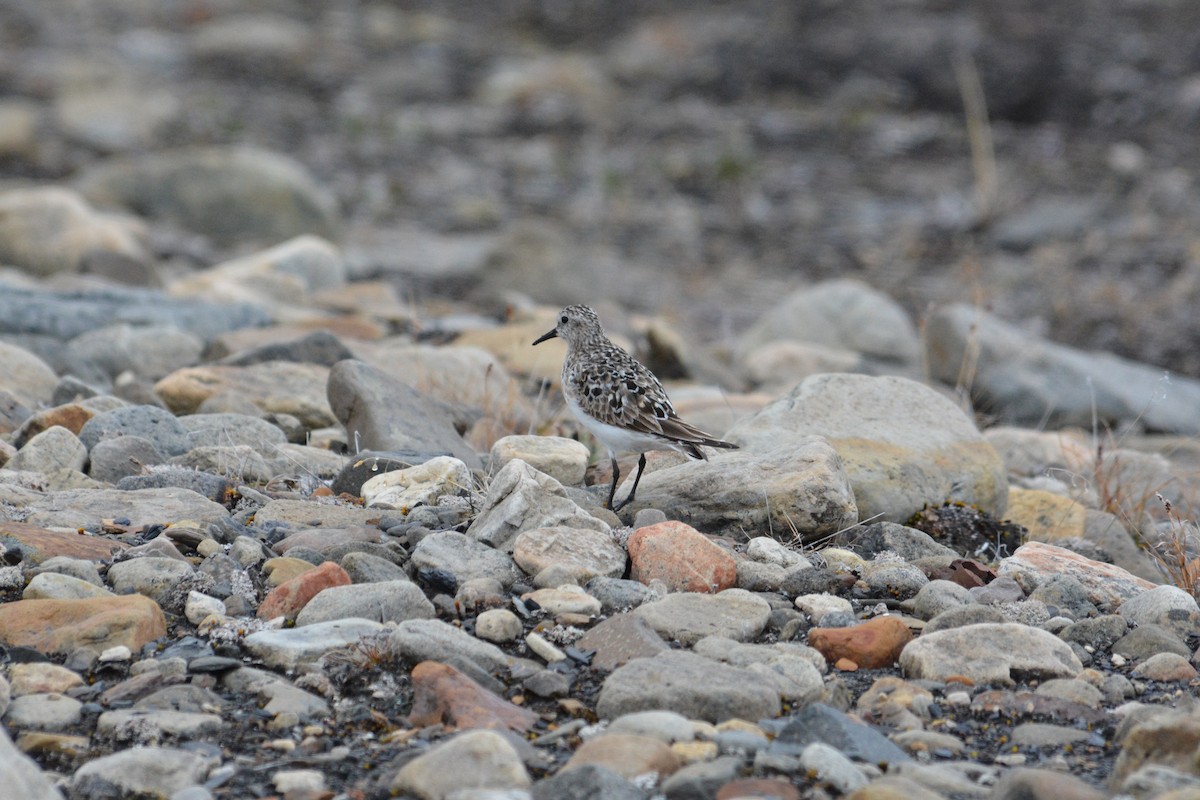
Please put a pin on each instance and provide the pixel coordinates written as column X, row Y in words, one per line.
column 612, row 490
column 636, row 478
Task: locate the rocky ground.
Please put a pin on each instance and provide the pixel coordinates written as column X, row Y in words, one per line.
column 290, row 507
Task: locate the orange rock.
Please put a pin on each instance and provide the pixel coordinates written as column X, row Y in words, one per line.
column 71, row 416
column 873, row 644
column 443, row 694
column 846, row 665
column 61, row 626
column 286, row 599
column 38, row 544
column 681, row 557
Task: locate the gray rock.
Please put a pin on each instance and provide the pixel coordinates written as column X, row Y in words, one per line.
column 827, row 765
column 391, row 601
column 818, row 722
column 122, row 456
column 1073, row 689
column 238, row 463
column 617, row 594
column 53, row 586
column 383, row 413
column 521, row 499
column 287, row 648
column 688, row 617
column 53, row 449
column 666, row 726
column 701, row 780
column 67, row 314
column 893, row 579
column 1097, row 632
column 1004, row 653
column 840, row 313
column 43, row 712
column 140, row 772
column 215, row 430
column 1003, row 589
column 586, row 782
column 908, row 543
column 149, row 352
column 22, row 777
column 24, row 377
column 792, row 670
column 147, row 726
column 152, row 423
column 1148, row 640
column 153, row 577
column 479, row 759
column 88, row 507
column 583, row 553
column 80, row 568
column 463, row 557
column 620, row 639
column 498, row 625
column 318, row 347
column 754, row 576
column 367, row 568
column 938, row 596
column 902, row 444
column 752, row 489
column 434, row 640
column 1067, row 594
column 1025, row 380
column 1168, row 606
column 688, row 684
column 281, row 697
column 214, row 487
column 230, row 194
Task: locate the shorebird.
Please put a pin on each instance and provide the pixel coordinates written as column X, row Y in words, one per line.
column 618, row 399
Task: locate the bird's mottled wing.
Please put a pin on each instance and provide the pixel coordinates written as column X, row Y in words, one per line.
column 617, row 390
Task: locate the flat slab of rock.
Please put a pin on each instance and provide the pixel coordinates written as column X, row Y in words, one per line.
column 287, row 648
column 903, row 445
column 86, row 508
column 691, row 685
column 307, row 513
column 582, row 552
column 688, row 617
column 434, row 640
column 760, row 492
column 990, row 652
column 36, row 544
column 1026, row 380
column 62, row 626
column 387, row 601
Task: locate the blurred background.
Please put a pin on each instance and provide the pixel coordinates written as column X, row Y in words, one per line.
column 693, row 159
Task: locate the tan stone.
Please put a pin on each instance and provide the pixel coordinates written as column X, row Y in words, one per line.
column 1048, row 516
column 61, row 626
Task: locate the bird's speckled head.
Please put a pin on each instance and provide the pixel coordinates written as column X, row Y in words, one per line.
column 576, row 325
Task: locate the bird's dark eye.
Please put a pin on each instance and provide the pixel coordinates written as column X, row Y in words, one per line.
column 563, row 319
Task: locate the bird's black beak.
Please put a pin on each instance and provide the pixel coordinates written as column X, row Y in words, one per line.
column 550, row 334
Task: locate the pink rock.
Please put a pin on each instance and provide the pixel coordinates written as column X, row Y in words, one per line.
column 286, row 599
column 681, row 557
column 1107, row 585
